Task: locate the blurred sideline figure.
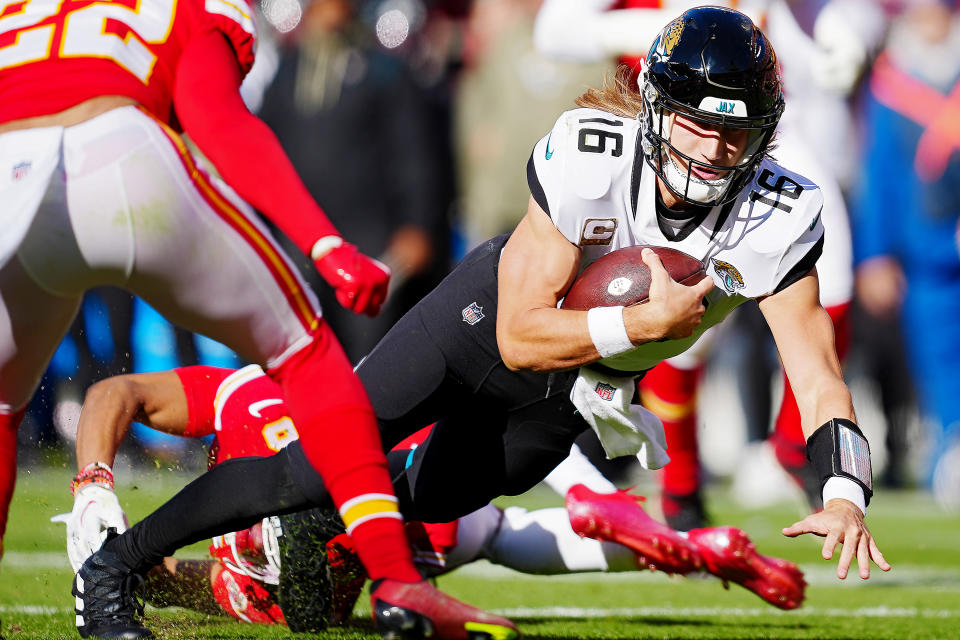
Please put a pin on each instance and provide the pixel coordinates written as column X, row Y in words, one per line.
column 302, row 570
column 819, row 70
column 354, row 122
column 907, row 214
column 101, row 190
column 507, row 92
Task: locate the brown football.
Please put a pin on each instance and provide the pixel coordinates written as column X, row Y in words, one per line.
column 622, row 278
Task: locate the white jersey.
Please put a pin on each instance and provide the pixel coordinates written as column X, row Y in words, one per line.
column 590, row 176
column 816, row 135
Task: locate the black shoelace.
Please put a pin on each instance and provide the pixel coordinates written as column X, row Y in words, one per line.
column 118, row 605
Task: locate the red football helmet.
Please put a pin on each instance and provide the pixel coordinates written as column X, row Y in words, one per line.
column 253, row 552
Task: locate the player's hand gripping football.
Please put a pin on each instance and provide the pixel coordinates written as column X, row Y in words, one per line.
column 360, row 282
column 673, row 310
column 95, row 509
column 841, row 521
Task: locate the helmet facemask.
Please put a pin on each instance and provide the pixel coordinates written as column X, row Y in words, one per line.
column 255, row 556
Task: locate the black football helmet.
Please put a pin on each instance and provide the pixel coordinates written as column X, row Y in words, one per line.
column 714, row 66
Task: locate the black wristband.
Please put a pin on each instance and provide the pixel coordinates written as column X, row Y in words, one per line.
column 838, row 449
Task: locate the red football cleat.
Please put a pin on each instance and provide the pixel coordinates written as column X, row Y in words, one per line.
column 730, row 555
column 618, row 517
column 410, row 610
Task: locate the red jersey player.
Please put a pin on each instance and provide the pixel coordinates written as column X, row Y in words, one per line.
column 99, row 189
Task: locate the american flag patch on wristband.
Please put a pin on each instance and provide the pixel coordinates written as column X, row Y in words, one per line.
column 854, row 453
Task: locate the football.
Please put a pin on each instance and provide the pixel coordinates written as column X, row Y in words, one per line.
column 622, row 278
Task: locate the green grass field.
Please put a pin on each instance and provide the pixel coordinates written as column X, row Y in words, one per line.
column 919, row 598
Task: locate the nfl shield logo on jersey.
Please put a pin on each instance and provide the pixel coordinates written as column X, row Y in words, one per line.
column 472, row 313
column 605, row 391
column 20, row 170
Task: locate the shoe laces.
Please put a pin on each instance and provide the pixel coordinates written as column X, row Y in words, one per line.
column 117, row 605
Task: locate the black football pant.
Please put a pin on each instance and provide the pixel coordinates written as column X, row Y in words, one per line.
column 497, row 432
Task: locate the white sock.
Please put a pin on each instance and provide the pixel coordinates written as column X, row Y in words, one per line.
column 577, row 469
column 542, row 542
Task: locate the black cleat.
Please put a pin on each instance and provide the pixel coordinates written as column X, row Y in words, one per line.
column 108, row 598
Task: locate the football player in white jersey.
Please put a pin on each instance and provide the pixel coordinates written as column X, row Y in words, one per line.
column 511, row 380
column 680, row 163
column 823, row 51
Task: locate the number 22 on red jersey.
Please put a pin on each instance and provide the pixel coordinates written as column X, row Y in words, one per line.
column 89, row 31
column 61, row 39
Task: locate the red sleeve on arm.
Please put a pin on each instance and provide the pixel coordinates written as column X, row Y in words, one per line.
column 242, row 148
column 201, row 383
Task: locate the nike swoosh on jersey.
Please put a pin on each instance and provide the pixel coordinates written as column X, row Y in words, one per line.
column 548, row 154
column 255, row 407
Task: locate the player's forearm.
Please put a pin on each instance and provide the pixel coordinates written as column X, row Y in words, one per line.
column 546, row 340
column 110, row 407
column 558, row 339
column 831, row 400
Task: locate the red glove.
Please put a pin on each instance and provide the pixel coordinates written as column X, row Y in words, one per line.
column 360, row 282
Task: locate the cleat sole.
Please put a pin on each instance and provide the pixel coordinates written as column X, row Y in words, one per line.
column 482, row 631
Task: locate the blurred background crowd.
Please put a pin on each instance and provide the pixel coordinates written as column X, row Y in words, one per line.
column 411, row 121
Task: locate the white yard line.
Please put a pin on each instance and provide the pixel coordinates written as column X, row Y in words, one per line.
column 34, row 610
column 819, row 574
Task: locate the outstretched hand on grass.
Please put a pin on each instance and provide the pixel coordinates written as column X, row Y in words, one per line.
column 842, row 522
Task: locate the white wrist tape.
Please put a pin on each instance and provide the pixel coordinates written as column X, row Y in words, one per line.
column 837, row 487
column 608, row 331
column 325, row 245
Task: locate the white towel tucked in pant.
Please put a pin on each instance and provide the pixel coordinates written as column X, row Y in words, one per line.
column 624, row 429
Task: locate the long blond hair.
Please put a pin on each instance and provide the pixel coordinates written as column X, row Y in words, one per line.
column 618, row 95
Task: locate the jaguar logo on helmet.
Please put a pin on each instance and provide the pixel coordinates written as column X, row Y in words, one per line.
column 732, row 280
column 671, row 35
